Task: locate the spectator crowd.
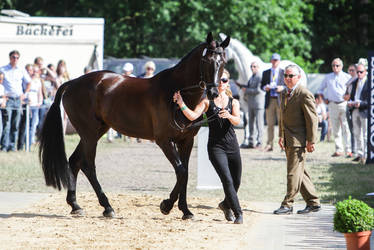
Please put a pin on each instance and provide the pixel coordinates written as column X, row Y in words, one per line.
column 341, row 104
column 32, row 88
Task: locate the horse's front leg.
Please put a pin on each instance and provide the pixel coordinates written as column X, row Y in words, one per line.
column 184, row 149
column 168, row 147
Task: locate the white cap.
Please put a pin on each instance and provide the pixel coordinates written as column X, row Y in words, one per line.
column 128, row 67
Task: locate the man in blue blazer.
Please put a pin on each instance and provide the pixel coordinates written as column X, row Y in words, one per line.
column 273, row 83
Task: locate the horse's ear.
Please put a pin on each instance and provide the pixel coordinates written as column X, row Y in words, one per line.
column 209, row 38
column 225, row 43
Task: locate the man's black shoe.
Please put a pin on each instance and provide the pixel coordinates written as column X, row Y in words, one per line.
column 357, row 159
column 309, row 209
column 243, row 145
column 284, row 210
column 226, row 211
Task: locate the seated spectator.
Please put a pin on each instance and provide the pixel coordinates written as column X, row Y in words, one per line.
column 322, row 115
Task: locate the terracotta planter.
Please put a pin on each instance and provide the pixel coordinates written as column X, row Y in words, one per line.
column 358, row 241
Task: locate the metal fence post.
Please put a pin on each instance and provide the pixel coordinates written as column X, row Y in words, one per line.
column 27, row 128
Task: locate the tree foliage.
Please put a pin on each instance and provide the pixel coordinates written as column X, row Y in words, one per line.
column 304, row 32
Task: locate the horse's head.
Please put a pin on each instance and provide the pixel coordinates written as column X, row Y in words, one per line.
column 213, row 61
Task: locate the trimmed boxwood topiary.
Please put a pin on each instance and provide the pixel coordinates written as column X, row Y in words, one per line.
column 352, row 216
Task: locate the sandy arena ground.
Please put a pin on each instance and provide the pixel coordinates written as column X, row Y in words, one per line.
column 138, row 224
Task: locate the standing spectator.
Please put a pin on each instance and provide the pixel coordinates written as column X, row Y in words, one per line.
column 39, row 62
column 359, row 102
column 22, row 124
column 2, row 101
column 62, row 76
column 335, row 88
column 150, row 68
column 62, row 73
column 322, row 116
column 52, row 79
column 297, row 131
column 273, row 83
column 14, row 76
column 43, row 71
column 255, row 97
column 50, row 86
column 35, row 99
column 353, row 72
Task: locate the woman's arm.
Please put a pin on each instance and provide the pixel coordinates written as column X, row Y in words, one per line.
column 234, row 118
column 191, row 114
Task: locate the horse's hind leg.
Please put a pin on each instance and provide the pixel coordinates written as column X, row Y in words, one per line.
column 75, row 161
column 89, row 169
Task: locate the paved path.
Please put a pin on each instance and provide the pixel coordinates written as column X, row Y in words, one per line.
column 11, row 201
column 288, row 232
column 311, row 231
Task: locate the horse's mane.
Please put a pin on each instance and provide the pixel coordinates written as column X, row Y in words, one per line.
column 190, row 53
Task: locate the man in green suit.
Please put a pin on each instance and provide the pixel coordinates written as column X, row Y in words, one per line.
column 297, row 134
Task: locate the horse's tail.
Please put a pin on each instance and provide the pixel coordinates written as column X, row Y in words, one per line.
column 52, row 153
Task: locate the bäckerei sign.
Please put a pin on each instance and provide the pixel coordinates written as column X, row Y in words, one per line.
column 43, row 30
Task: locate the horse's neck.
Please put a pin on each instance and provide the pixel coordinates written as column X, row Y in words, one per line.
column 187, row 77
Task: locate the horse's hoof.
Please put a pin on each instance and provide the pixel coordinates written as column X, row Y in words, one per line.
column 187, row 217
column 78, row 212
column 165, row 207
column 109, row 213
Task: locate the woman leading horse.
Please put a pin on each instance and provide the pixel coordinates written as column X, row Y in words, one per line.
column 223, row 147
column 141, row 108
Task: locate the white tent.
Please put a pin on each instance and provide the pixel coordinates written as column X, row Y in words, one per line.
column 78, row 41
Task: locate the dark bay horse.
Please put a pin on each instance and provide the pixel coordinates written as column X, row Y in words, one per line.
column 140, row 108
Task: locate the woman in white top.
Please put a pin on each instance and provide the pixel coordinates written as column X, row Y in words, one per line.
column 35, row 99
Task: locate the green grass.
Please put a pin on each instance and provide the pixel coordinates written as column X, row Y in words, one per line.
column 22, row 172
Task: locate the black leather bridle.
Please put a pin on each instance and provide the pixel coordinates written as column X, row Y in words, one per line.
column 201, row 85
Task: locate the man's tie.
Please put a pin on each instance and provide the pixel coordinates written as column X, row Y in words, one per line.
column 289, row 94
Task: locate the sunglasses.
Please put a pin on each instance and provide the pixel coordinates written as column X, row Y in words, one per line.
column 224, row 80
column 150, row 68
column 15, row 57
column 253, row 66
column 336, row 65
column 289, row 76
column 360, row 72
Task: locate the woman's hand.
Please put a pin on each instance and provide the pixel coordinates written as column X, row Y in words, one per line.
column 178, row 98
column 310, row 147
column 224, row 113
